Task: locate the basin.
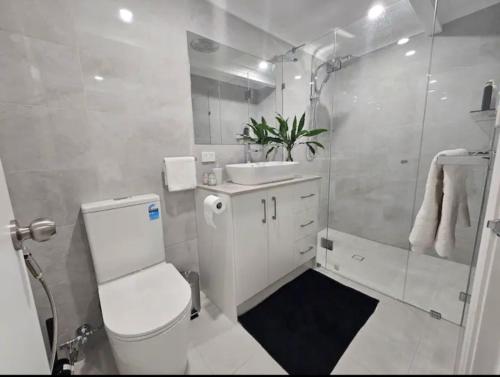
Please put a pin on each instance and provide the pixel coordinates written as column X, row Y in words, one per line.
column 257, row 173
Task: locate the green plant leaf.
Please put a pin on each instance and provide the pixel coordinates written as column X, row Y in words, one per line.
column 294, row 129
column 302, row 123
column 318, row 144
column 269, row 151
column 315, row 132
column 311, row 148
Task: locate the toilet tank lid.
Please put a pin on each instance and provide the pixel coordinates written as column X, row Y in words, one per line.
column 127, row 201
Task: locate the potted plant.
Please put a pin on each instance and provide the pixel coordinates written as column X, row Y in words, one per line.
column 290, row 137
column 261, row 140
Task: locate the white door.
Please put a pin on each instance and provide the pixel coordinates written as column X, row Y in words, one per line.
column 481, row 345
column 250, row 219
column 22, row 350
column 282, row 258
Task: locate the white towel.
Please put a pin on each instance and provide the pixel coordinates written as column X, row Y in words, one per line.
column 180, row 173
column 445, row 200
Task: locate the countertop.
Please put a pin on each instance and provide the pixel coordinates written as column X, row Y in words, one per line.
column 230, row 188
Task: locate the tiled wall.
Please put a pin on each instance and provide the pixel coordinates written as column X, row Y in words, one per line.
column 68, row 138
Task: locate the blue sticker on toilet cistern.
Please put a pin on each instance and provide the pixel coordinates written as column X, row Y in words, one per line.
column 154, row 212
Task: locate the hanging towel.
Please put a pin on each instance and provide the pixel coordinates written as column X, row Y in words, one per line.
column 454, row 206
column 180, row 173
column 445, row 201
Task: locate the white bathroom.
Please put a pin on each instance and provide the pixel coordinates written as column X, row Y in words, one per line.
column 249, row 187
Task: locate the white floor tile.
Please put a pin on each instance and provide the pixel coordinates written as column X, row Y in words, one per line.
column 229, row 351
column 196, row 364
column 210, row 323
column 261, row 363
column 437, row 350
column 346, row 365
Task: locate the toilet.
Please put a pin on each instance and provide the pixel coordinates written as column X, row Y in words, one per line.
column 145, row 301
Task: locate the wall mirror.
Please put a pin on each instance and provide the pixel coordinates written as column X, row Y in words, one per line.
column 228, row 86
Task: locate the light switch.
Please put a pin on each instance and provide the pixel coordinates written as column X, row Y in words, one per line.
column 207, row 156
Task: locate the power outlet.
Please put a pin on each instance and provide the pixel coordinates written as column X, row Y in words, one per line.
column 207, row 157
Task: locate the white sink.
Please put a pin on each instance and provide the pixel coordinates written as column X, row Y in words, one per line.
column 256, row 173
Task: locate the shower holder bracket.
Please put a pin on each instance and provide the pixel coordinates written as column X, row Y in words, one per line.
column 464, row 297
column 326, row 243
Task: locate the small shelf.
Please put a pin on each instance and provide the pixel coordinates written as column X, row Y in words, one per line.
column 483, row 115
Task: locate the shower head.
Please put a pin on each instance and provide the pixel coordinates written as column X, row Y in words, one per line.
column 331, row 66
column 204, row 45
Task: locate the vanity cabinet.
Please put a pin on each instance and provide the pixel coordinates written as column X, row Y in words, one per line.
column 269, row 231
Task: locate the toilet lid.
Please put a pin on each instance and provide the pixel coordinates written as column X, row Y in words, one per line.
column 144, row 302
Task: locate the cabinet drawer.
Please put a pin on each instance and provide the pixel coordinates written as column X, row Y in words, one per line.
column 305, row 249
column 306, row 223
column 306, row 196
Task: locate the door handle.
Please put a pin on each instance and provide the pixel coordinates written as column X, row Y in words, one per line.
column 264, row 220
column 307, row 224
column 275, row 213
column 306, row 251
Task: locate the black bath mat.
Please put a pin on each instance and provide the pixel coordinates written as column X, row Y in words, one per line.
column 308, row 324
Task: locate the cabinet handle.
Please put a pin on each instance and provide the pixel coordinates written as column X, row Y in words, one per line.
column 306, row 251
column 307, row 224
column 275, row 213
column 265, row 213
column 307, row 196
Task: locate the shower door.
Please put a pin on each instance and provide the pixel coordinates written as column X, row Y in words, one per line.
column 411, row 89
column 464, row 57
column 379, row 104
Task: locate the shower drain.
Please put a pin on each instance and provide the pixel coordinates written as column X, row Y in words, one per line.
column 357, row 257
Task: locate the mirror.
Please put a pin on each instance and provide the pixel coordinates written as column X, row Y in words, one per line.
column 228, row 87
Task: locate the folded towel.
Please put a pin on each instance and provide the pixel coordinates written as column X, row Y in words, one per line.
column 445, row 200
column 180, row 173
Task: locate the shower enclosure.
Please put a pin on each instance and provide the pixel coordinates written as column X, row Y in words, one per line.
column 394, row 90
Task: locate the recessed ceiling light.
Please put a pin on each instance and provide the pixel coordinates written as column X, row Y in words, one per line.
column 98, row 78
column 376, row 11
column 431, row 91
column 263, row 65
column 126, row 15
column 403, row 41
column 410, row 53
column 444, row 98
column 433, row 81
column 297, row 77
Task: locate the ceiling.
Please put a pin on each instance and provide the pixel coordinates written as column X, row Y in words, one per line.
column 304, row 21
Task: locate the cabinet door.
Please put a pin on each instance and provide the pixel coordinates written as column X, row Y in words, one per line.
column 250, row 218
column 282, row 259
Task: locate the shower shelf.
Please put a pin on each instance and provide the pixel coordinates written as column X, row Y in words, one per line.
column 483, row 115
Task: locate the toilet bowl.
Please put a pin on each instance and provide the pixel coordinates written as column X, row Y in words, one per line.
column 146, row 315
column 145, row 301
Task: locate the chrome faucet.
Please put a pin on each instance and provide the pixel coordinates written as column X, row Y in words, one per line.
column 248, row 157
column 246, row 145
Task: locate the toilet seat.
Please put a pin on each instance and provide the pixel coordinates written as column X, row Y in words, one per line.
column 145, row 303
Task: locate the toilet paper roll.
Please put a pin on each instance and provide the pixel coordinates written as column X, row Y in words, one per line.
column 213, row 205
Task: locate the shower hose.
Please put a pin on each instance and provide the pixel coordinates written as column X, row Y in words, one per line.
column 36, row 272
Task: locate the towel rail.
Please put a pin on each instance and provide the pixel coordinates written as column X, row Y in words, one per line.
column 474, row 158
